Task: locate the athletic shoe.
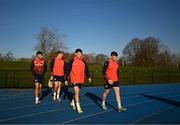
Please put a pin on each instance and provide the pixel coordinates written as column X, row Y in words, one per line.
column 58, row 99
column 104, row 107
column 54, row 98
column 36, row 102
column 122, row 109
column 79, row 110
column 73, row 106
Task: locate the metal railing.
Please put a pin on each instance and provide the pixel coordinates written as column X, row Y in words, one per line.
column 24, row 78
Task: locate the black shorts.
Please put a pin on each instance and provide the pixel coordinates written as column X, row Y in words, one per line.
column 58, row 78
column 38, row 78
column 108, row 86
column 77, row 84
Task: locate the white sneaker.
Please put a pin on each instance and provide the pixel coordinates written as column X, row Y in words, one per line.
column 73, row 106
column 122, row 109
column 36, row 102
column 79, row 110
column 54, row 98
column 58, row 99
column 104, row 107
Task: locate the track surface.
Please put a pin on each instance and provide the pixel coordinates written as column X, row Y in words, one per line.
column 147, row 104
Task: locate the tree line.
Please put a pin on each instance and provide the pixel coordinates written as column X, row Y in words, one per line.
column 148, row 52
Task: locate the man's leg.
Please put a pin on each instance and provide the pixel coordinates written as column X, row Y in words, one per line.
column 39, row 91
column 73, row 104
column 55, row 90
column 58, row 91
column 104, row 95
column 36, row 93
column 65, row 89
column 118, row 99
column 76, row 97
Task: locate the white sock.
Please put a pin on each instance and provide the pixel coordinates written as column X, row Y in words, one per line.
column 72, row 102
column 57, row 95
column 119, row 105
column 103, row 102
column 78, row 105
column 37, row 99
column 54, row 93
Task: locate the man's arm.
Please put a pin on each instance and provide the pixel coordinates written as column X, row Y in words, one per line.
column 86, row 69
column 65, row 70
column 105, row 66
column 69, row 68
column 45, row 67
column 32, row 68
column 51, row 67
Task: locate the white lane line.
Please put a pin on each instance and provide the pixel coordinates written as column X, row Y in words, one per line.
column 26, row 94
column 33, row 105
column 154, row 113
column 27, row 106
column 94, row 114
column 34, row 114
column 149, row 115
column 98, row 113
column 20, row 95
column 53, row 111
column 19, row 98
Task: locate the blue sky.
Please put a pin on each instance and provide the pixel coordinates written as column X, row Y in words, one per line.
column 96, row 26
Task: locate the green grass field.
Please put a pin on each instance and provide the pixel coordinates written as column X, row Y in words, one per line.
column 18, row 75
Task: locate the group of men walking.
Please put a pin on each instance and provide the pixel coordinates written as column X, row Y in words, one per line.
column 75, row 71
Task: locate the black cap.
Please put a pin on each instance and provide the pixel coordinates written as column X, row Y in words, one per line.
column 78, row 50
column 39, row 52
column 114, row 53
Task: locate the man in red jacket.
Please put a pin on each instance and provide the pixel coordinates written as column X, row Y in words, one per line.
column 58, row 70
column 77, row 71
column 110, row 73
column 38, row 68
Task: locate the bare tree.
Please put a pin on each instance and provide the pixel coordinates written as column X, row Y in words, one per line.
column 50, row 41
column 1, row 57
column 9, row 56
column 90, row 58
column 175, row 59
column 165, row 57
column 101, row 58
column 87, row 58
column 178, row 60
column 130, row 52
column 68, row 56
column 149, row 51
column 122, row 61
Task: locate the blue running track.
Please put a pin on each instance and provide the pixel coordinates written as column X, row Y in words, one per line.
column 146, row 104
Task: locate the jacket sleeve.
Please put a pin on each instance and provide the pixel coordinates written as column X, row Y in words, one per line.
column 86, row 69
column 68, row 68
column 65, row 70
column 32, row 67
column 118, row 72
column 51, row 65
column 105, row 66
column 45, row 67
